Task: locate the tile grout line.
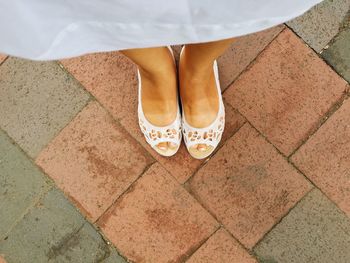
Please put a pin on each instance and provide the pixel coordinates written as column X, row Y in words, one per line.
column 127, row 190
column 47, row 178
column 89, row 99
column 215, row 151
column 294, row 166
column 281, row 219
column 199, row 200
column 253, row 61
column 279, row 152
column 27, row 210
column 318, row 188
column 65, row 239
column 319, row 54
column 199, row 245
column 116, row 120
column 324, row 118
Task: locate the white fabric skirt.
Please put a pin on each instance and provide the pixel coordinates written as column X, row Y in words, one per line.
column 55, row 29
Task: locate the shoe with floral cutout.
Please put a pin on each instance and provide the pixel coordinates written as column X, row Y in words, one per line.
column 210, row 135
column 158, row 134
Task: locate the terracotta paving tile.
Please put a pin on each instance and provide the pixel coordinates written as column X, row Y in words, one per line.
column 111, row 78
column 157, row 220
column 93, row 160
column 248, row 185
column 242, row 52
column 221, row 247
column 325, row 157
column 285, row 93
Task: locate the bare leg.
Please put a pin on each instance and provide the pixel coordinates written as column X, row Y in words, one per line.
column 197, row 82
column 159, row 85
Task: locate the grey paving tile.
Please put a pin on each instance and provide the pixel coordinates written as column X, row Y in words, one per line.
column 48, row 226
column 314, row 231
column 86, row 246
column 114, row 257
column 321, row 23
column 338, row 54
column 21, row 184
column 37, row 99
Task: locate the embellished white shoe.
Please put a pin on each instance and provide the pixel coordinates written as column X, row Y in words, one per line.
column 157, row 134
column 210, row 135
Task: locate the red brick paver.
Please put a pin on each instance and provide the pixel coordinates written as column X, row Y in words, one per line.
column 242, row 52
column 157, row 220
column 285, row 93
column 325, row 158
column 248, row 185
column 221, row 248
column 93, row 160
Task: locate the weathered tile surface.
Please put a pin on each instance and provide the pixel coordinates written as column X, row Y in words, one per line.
column 221, row 247
column 21, row 184
column 315, row 231
column 114, row 257
column 286, row 92
column 325, row 157
column 157, row 220
column 338, row 54
column 93, row 160
column 37, row 99
column 321, row 23
column 85, row 246
column 242, row 52
column 38, row 236
column 248, row 186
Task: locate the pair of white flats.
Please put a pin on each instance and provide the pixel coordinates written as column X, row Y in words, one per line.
column 210, row 135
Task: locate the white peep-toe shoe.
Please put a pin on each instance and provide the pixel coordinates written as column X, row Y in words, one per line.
column 210, row 135
column 157, row 134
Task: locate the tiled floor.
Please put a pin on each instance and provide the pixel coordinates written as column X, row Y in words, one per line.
column 78, row 182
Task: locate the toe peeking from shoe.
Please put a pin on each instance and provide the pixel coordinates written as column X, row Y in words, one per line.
column 164, row 140
column 201, row 142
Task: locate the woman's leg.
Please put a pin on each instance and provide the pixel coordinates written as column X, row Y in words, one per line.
column 197, row 82
column 159, row 87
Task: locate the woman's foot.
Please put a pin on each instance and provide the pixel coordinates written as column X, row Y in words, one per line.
column 199, row 95
column 159, row 95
